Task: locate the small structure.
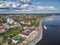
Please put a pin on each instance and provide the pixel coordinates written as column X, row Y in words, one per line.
column 15, row 39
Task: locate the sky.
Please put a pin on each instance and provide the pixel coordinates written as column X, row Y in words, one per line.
column 34, row 6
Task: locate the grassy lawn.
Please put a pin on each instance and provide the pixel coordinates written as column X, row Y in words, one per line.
column 11, row 32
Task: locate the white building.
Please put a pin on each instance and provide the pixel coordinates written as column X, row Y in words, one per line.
column 31, row 35
column 10, row 20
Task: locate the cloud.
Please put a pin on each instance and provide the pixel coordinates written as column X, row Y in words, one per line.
column 38, row 3
column 25, row 1
column 52, row 8
column 25, row 6
column 14, row 5
column 9, row 4
column 45, row 8
column 51, row 18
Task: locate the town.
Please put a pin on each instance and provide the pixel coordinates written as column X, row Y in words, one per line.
column 19, row 29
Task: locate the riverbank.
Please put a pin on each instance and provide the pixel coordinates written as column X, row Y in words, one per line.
column 51, row 36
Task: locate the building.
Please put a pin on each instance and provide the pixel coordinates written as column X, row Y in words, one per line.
column 2, row 29
column 27, row 33
column 15, row 39
column 10, row 20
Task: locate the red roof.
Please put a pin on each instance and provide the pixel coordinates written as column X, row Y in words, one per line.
column 27, row 32
column 1, row 28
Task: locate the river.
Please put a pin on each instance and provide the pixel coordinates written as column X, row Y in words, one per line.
column 51, row 36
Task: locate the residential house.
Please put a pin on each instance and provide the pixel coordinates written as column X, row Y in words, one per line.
column 2, row 29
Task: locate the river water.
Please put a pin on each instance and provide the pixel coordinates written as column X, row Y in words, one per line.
column 51, row 36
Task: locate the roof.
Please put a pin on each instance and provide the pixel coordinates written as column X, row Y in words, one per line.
column 27, row 32
column 1, row 28
column 17, row 37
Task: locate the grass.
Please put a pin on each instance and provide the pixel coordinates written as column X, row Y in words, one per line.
column 12, row 31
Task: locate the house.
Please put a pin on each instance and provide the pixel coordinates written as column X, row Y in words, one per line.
column 2, row 29
column 28, row 23
column 16, row 24
column 6, row 26
column 22, row 22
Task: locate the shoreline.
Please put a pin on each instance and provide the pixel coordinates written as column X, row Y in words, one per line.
column 36, row 39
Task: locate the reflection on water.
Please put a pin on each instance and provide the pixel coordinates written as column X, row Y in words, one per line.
column 51, row 36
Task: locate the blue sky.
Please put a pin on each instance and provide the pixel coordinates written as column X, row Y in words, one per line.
column 37, row 6
column 47, row 2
